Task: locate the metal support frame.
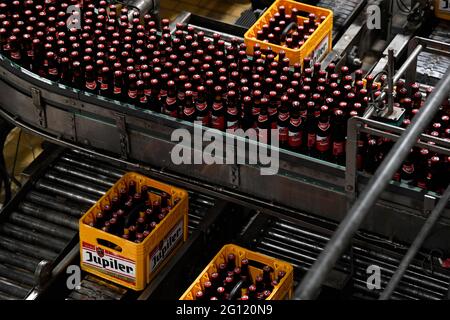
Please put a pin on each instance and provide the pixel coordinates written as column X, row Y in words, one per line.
column 350, row 224
column 357, row 125
column 408, row 68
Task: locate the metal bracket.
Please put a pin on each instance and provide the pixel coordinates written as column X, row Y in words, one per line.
column 429, row 202
column 386, row 114
column 40, row 109
column 42, row 273
column 123, row 134
column 390, row 113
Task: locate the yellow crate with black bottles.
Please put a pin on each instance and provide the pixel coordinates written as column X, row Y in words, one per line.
column 125, row 262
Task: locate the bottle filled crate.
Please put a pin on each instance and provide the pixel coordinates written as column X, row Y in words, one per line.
column 133, row 230
column 298, row 29
column 237, row 273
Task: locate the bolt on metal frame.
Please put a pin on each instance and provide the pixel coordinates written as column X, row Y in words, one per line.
column 405, row 140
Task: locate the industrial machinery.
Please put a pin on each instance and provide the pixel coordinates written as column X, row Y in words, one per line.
column 310, row 212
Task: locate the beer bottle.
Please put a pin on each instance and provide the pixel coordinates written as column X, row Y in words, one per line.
column 189, row 111
column 199, row 295
column 436, row 177
column 311, row 125
column 141, row 96
column 90, row 80
column 263, row 122
column 338, row 134
column 407, row 174
column 283, row 121
column 99, row 220
column 231, row 262
column 118, row 86
column 232, row 113
column 281, row 275
column 222, row 270
column 153, row 98
column 215, row 280
column 218, row 112
column 203, row 112
column 266, row 294
column 139, row 238
column 229, row 284
column 422, row 169
column 259, row 283
column 371, row 159
column 105, row 86
column 252, row 292
column 296, row 129
column 221, row 293
column 323, row 134
column 170, row 103
column 267, row 278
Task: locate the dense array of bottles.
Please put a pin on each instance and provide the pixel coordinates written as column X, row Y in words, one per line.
column 232, row 282
column 287, row 29
column 132, row 214
column 189, row 76
column 423, row 168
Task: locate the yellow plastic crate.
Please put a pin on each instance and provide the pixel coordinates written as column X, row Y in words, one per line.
column 316, row 47
column 127, row 263
column 442, row 9
column 283, row 291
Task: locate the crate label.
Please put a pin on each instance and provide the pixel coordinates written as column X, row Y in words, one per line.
column 109, row 263
column 444, row 5
column 166, row 246
column 321, row 50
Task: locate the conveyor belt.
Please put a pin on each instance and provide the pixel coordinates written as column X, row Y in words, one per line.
column 301, row 247
column 430, row 67
column 94, row 288
column 43, row 224
column 343, row 11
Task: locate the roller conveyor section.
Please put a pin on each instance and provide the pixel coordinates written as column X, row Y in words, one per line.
column 431, row 67
column 301, row 247
column 44, row 223
column 93, row 288
column 343, row 11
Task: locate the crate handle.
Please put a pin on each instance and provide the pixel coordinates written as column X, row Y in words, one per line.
column 288, row 28
column 109, row 244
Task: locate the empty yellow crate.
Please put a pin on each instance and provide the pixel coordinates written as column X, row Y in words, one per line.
column 316, row 47
column 127, row 263
column 282, row 292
